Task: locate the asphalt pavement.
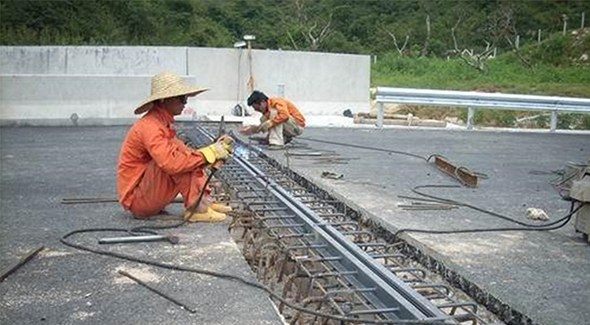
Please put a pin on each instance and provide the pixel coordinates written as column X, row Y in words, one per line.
column 42, row 165
column 542, row 275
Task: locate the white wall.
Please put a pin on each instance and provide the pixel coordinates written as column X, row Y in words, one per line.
column 47, row 84
column 93, row 60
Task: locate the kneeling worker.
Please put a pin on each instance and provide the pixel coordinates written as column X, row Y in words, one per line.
column 280, row 118
column 155, row 165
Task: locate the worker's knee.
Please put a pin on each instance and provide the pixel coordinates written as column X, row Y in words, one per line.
column 143, row 211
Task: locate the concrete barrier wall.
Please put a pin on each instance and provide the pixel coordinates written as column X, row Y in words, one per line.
column 92, row 60
column 102, row 84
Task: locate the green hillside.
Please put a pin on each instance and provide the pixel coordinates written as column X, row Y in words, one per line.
column 559, row 65
column 440, row 44
column 348, row 26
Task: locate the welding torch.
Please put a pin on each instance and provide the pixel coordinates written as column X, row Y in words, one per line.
column 221, row 136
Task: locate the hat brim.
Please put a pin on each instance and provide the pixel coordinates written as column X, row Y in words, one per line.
column 189, row 91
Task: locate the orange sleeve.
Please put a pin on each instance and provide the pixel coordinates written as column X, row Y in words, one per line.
column 174, row 157
column 282, row 111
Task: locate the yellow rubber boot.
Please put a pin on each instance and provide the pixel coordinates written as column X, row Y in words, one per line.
column 221, row 208
column 208, row 216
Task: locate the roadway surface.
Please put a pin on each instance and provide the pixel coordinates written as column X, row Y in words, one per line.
column 39, row 167
column 543, row 275
column 540, row 274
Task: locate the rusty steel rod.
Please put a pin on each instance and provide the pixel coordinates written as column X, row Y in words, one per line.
column 27, row 257
column 158, row 292
column 306, row 263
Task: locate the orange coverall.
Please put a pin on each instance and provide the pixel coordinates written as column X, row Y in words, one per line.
column 154, row 166
column 285, row 108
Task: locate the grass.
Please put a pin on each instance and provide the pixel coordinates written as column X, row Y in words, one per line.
column 501, row 75
column 504, row 74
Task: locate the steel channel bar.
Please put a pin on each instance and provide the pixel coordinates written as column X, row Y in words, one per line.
column 289, row 248
column 268, row 209
column 389, row 290
column 351, row 262
column 295, row 192
column 351, row 280
column 322, row 201
column 277, row 218
column 318, row 259
column 407, row 296
column 372, row 311
column 329, row 274
column 343, row 223
column 386, row 297
column 333, row 292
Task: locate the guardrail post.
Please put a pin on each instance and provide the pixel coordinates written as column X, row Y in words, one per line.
column 553, row 124
column 470, row 114
column 474, row 100
column 380, row 115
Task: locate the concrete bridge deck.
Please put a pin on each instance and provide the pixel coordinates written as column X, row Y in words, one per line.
column 61, row 285
column 541, row 275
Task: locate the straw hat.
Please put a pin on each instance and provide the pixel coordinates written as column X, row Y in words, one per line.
column 166, row 85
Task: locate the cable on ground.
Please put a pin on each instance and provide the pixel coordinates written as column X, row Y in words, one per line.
column 526, row 226
column 66, row 241
column 427, row 159
column 150, row 229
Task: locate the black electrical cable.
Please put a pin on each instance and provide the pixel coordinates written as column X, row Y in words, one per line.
column 526, row 227
column 64, row 240
column 565, row 220
column 366, row 147
column 467, row 205
column 148, row 229
column 529, row 227
column 427, row 159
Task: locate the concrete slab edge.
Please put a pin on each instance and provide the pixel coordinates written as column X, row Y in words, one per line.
column 67, row 122
column 427, row 257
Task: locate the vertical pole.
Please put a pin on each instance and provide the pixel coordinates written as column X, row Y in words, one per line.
column 564, row 17
column 186, row 61
column 281, row 90
column 517, row 42
column 250, row 83
column 495, row 51
column 470, row 114
column 380, row 115
column 539, row 36
column 66, row 62
column 553, row 124
column 239, row 81
column 583, row 16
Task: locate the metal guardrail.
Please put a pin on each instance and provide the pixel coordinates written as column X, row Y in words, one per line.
column 473, row 100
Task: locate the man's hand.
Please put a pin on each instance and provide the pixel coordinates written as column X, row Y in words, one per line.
column 266, row 125
column 227, row 142
column 220, row 150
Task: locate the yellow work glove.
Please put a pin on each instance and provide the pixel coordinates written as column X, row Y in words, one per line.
column 228, row 142
column 266, row 125
column 220, row 150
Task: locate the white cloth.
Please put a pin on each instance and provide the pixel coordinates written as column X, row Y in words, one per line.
column 278, row 133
